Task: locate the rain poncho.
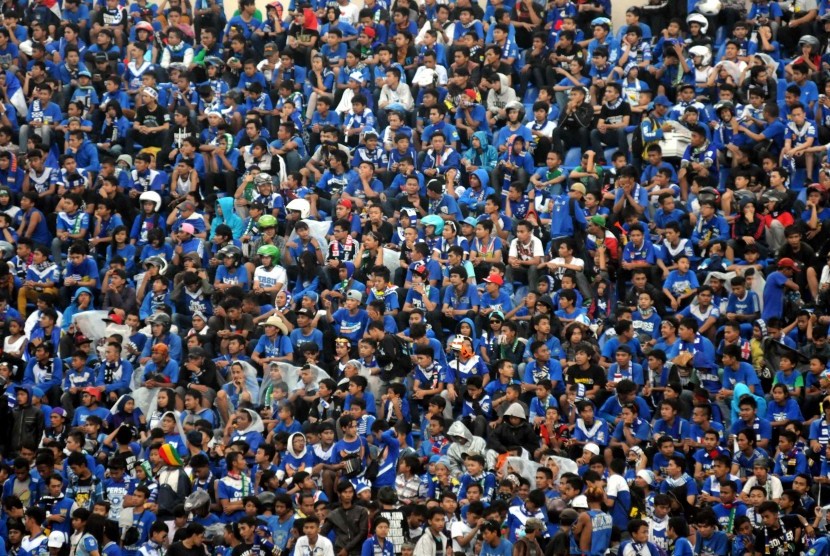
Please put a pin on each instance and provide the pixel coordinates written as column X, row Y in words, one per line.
column 252, row 434
column 294, row 461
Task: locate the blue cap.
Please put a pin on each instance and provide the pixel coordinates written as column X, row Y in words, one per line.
column 37, row 392
column 470, row 220
column 84, row 73
column 661, row 100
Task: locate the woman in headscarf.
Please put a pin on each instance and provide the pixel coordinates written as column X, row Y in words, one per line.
column 165, row 401
column 125, row 412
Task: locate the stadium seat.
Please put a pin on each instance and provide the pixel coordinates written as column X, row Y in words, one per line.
column 573, row 157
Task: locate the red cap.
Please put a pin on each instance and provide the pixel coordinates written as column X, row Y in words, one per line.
column 345, row 203
column 369, row 32
column 115, row 318
column 495, row 279
column 787, row 262
column 470, row 93
column 94, row 392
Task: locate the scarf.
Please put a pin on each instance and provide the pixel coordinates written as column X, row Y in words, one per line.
column 40, row 267
column 110, row 370
column 243, row 481
column 616, row 104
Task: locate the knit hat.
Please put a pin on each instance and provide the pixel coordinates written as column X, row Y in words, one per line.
column 170, row 456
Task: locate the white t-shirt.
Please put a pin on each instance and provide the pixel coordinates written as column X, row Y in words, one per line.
column 461, row 529
column 322, row 547
column 527, row 251
column 270, row 278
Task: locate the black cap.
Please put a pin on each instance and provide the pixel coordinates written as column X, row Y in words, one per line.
column 306, row 311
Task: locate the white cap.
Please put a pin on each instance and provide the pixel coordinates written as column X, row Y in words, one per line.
column 56, row 539
column 580, row 502
column 591, row 447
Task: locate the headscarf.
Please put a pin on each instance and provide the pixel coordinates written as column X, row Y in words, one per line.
column 310, row 21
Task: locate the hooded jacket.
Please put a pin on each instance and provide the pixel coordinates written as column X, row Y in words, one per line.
column 498, row 100
column 505, row 436
column 27, row 421
column 489, row 155
column 474, row 199
column 73, row 308
column 474, row 445
column 229, row 217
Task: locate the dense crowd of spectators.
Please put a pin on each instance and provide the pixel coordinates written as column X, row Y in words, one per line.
column 358, row 279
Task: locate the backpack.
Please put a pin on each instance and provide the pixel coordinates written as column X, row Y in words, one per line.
column 399, row 360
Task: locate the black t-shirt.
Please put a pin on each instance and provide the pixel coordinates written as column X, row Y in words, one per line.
column 301, row 34
column 781, row 541
column 589, row 377
column 615, row 115
column 179, row 549
column 152, row 118
column 243, row 550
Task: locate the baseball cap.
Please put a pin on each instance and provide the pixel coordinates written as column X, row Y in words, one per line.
column 420, row 269
column 356, row 76
column 787, row 262
column 187, row 228
column 498, row 315
column 114, row 318
column 369, row 32
column 345, row 203
column 470, row 221
column 37, row 392
column 661, row 100
column 84, row 73
column 354, row 294
column 94, row 392
column 270, row 48
column 598, row 220
column 305, row 312
column 578, row 187
column 495, row 279
column 591, row 447
column 580, row 502
column 59, row 411
column 568, row 516
column 161, row 348
column 56, row 539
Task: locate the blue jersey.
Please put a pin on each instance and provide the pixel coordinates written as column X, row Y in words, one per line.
column 601, row 524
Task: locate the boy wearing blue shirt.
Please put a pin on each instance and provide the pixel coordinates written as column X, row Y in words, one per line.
column 475, row 466
column 349, row 321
